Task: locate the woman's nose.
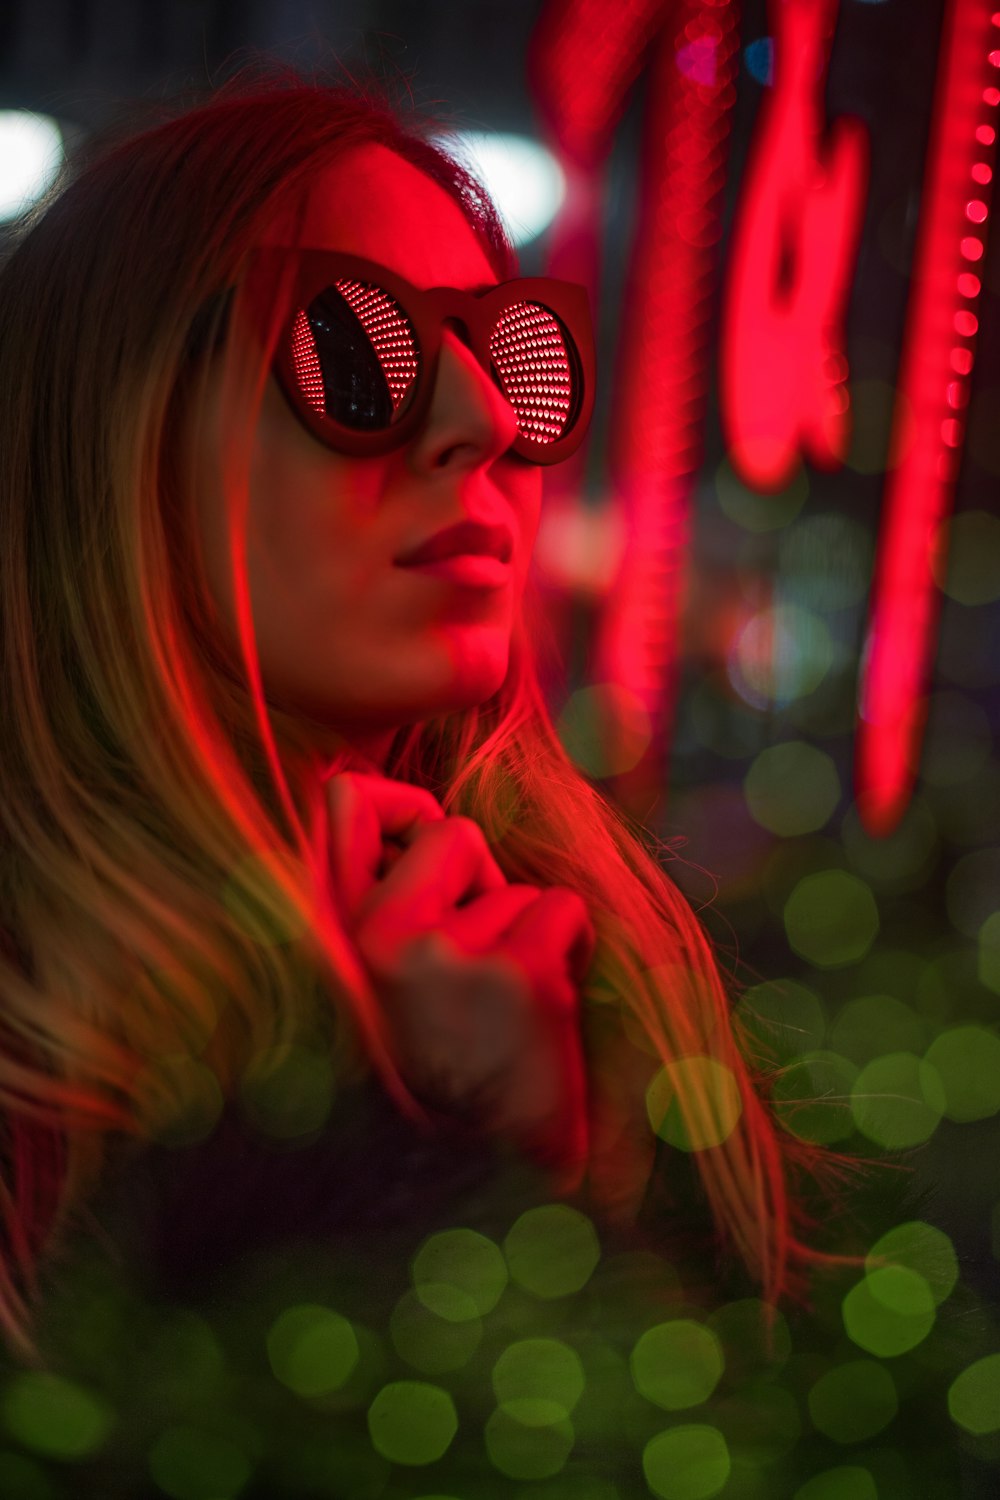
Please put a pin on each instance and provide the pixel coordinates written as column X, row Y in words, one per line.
column 469, row 423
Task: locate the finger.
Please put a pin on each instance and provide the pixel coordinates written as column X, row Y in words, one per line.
column 446, row 863
column 364, row 811
column 558, row 922
column 479, row 926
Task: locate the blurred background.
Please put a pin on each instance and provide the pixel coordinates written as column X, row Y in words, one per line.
column 713, row 629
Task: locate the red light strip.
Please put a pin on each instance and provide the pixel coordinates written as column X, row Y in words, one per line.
column 937, row 359
column 584, row 57
column 661, row 390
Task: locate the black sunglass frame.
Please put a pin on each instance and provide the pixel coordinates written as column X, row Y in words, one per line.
column 475, row 312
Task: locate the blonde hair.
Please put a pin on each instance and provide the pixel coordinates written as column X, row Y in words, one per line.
column 161, row 879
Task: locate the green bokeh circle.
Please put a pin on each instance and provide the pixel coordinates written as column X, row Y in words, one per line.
column 690, row 1462
column 412, row 1422
column 853, row 1401
column 831, row 918
column 677, row 1364
column 889, row 1312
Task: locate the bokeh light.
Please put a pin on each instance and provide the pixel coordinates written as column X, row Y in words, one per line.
column 831, row 918
column 694, row 1103
column 522, row 1447
column 690, row 1462
column 922, row 1248
column 429, row 1342
column 604, row 729
column 522, row 177
column 677, row 1364
column 974, row 1396
column 189, row 1463
column 459, row 1274
column 967, row 1061
column 853, row 1401
column 897, row 1100
column 792, row 788
column 846, row 1482
column 31, row 155
column 756, row 512
column 412, row 1422
column 890, row 1311
column 871, row 1025
column 896, row 862
column 782, row 1019
column 312, row 1349
column 55, row 1416
column 542, row 1370
column 552, row 1251
column 812, row 1097
column 781, row 654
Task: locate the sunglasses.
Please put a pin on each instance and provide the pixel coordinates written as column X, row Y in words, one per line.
column 356, row 356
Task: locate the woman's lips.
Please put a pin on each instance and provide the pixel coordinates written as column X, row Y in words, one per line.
column 470, row 570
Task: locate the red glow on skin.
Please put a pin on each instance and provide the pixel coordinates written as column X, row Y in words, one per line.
column 919, row 491
column 791, row 263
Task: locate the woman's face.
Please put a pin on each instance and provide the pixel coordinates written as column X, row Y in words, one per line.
column 347, row 637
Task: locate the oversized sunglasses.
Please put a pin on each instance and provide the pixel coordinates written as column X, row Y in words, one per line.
column 356, row 356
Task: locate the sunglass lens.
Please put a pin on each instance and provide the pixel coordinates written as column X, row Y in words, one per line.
column 355, row 356
column 534, row 361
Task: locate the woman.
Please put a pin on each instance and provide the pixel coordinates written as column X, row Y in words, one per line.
column 275, row 754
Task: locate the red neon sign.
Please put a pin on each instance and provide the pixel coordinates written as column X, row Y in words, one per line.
column 782, row 364
column 791, row 262
column 937, row 359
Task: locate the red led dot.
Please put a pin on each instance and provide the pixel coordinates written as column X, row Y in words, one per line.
column 995, row 18
column 991, row 96
column 981, row 172
column 966, row 324
column 969, row 285
column 971, row 248
column 985, row 135
column 976, row 211
column 961, row 361
column 957, row 394
column 995, row 59
column 951, row 432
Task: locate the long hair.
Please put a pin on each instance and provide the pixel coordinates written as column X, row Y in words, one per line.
column 165, row 921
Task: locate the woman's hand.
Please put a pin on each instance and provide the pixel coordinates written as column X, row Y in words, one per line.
column 479, row 978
